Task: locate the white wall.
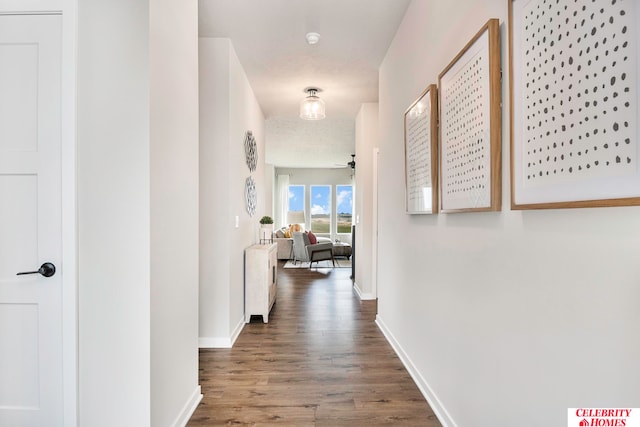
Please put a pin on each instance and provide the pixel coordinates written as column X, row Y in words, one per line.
column 215, row 218
column 114, row 213
column 137, row 212
column 174, row 210
column 505, row 318
column 320, row 176
column 244, row 114
column 270, row 182
column 366, row 142
column 228, row 108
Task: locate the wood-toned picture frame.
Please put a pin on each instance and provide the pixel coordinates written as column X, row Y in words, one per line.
column 421, row 153
column 470, row 144
column 575, row 139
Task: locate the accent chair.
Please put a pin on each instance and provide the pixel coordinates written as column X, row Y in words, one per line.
column 303, row 250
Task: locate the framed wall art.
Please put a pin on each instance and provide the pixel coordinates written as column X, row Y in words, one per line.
column 573, row 70
column 470, row 126
column 421, row 154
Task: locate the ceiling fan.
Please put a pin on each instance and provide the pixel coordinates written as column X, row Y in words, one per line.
column 351, row 164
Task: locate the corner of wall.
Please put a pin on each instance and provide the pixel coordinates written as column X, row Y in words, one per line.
column 188, row 408
column 362, row 295
column 228, row 110
column 222, row 341
column 366, row 140
column 438, row 408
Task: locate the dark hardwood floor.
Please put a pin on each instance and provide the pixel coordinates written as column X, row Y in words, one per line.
column 320, row 361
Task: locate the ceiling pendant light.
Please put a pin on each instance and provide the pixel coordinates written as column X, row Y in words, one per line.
column 312, row 38
column 312, row 107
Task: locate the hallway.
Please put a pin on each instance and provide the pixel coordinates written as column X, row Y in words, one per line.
column 320, row 361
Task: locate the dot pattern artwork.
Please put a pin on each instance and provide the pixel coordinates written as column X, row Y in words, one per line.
column 465, row 132
column 251, row 151
column 250, row 196
column 579, row 90
column 418, row 156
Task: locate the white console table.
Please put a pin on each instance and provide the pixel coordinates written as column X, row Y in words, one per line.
column 260, row 280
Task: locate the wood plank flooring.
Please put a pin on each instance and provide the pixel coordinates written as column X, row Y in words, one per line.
column 320, row 361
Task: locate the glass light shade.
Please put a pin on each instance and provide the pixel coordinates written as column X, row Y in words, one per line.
column 312, row 107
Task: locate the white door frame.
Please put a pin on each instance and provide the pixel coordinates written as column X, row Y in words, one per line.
column 69, row 215
column 374, row 225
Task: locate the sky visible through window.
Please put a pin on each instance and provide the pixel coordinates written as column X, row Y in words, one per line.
column 344, row 203
column 344, row 199
column 320, row 200
column 296, row 197
column 321, row 208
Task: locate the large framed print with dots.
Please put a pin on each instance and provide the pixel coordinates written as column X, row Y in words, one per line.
column 421, row 154
column 470, row 126
column 573, row 70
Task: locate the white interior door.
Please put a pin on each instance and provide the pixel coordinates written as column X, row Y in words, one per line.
column 30, row 220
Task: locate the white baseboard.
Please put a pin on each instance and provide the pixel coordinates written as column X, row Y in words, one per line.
column 362, row 295
column 189, row 408
column 423, row 386
column 236, row 332
column 222, row 342
column 214, row 342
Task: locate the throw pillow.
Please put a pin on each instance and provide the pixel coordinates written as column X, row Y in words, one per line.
column 280, row 234
column 287, row 233
column 312, row 238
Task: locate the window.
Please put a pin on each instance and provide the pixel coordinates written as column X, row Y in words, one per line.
column 344, row 207
column 321, row 208
column 295, row 207
column 296, row 198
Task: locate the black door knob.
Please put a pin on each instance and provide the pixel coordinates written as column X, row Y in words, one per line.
column 47, row 270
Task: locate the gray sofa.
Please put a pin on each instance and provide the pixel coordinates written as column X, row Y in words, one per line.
column 285, row 244
column 285, row 247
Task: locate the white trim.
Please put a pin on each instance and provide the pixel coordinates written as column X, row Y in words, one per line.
column 69, row 215
column 27, row 12
column 189, row 408
column 374, row 225
column 214, row 342
column 236, row 332
column 222, row 342
column 28, row 7
column 361, row 295
column 436, row 405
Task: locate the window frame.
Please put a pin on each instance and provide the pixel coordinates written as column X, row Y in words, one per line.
column 330, row 207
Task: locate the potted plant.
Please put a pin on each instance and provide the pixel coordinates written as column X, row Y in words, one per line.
column 266, row 228
column 266, row 220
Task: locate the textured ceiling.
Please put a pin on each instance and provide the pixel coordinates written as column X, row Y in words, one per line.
column 269, row 38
